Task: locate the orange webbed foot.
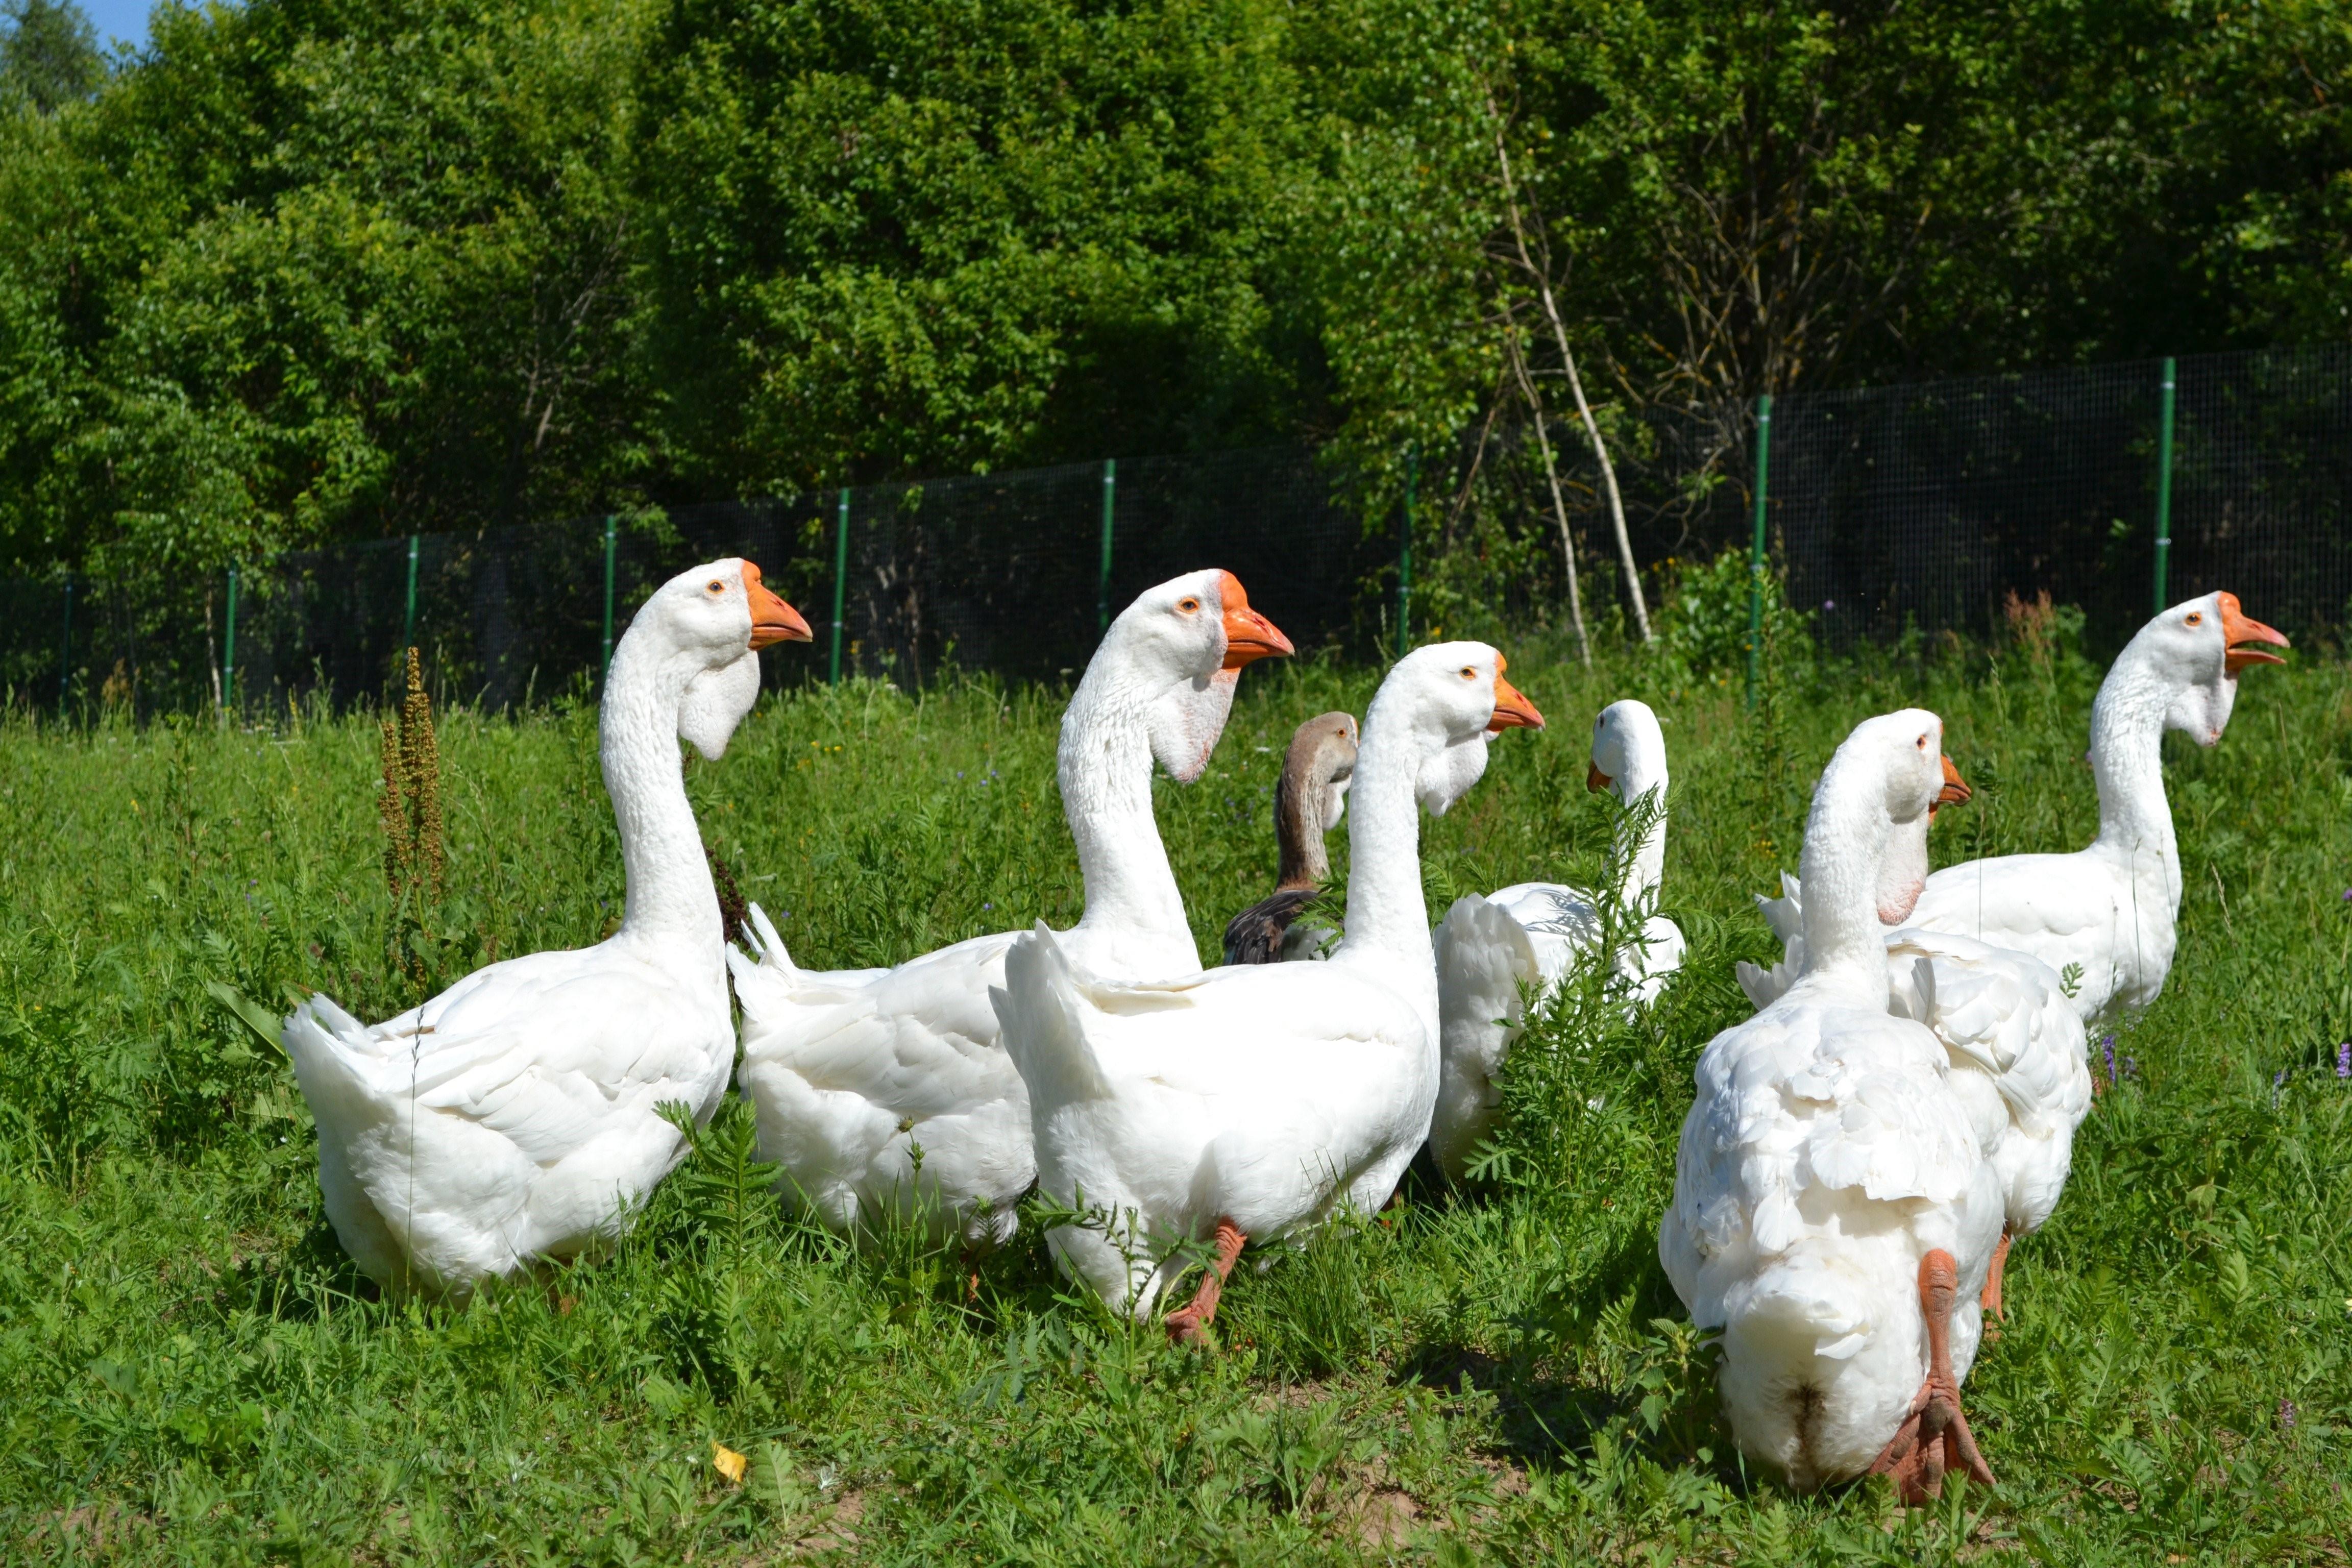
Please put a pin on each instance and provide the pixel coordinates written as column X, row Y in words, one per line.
column 1189, row 1324
column 1935, row 1437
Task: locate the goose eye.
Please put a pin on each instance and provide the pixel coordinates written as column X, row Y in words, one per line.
column 716, row 586
column 2196, row 617
column 1921, row 743
column 1189, row 606
column 1469, row 672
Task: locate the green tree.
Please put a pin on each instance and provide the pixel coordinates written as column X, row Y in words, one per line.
column 48, row 54
column 900, row 236
column 316, row 269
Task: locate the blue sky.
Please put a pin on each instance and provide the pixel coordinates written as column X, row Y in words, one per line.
column 119, row 20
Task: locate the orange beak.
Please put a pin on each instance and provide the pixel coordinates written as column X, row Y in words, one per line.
column 1955, row 791
column 1595, row 779
column 2238, row 626
column 1249, row 637
column 1512, row 709
column 773, row 620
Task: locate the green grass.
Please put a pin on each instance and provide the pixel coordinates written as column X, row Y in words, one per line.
column 195, row 1373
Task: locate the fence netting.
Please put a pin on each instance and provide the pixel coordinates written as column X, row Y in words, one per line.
column 1000, row 574
column 1891, row 510
column 1926, row 506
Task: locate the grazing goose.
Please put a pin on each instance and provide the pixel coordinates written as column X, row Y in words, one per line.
column 2018, row 1052
column 1249, row 1102
column 1490, row 949
column 512, row 1117
column 850, row 1072
column 1833, row 1213
column 2103, row 917
column 1308, row 801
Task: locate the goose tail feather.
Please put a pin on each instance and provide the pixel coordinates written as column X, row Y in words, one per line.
column 1039, row 1011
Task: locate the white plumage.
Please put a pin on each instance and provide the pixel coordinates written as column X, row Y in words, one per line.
column 2017, row 1051
column 2105, row 914
column 1828, row 1174
column 1495, row 949
column 852, row 1072
column 512, row 1117
column 1252, row 1102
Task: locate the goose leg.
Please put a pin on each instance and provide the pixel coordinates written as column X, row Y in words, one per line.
column 1189, row 1324
column 1992, row 1277
column 1935, row 1437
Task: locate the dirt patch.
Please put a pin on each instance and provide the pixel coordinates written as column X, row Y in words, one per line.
column 1381, row 1517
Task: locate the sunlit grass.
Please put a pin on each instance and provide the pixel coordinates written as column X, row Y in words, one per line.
column 195, row 1373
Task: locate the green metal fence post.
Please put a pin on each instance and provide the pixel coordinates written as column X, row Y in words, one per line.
column 840, row 584
column 1756, row 550
column 408, row 619
column 1404, row 556
column 2164, row 491
column 1102, row 587
column 611, row 540
column 65, row 651
column 228, row 646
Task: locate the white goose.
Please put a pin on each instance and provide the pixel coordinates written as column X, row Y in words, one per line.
column 2017, row 1050
column 512, row 1117
column 1833, row 1213
column 851, row 1072
column 2107, row 913
column 1491, row 949
column 1248, row 1102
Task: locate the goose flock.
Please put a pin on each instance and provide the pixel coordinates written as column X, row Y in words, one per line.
column 1856, row 1159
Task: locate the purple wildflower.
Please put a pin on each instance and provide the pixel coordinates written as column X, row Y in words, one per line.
column 2287, row 1414
column 2131, row 1067
column 2348, row 895
column 2344, row 1059
column 1829, row 605
column 2107, row 1043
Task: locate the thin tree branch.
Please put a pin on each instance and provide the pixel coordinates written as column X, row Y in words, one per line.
column 1542, row 279
column 1551, row 476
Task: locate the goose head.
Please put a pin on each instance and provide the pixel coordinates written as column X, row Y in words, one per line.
column 708, row 624
column 1453, row 698
column 1904, row 872
column 2195, row 651
column 1312, row 794
column 1873, row 806
column 1629, row 751
column 1318, row 767
column 1178, row 651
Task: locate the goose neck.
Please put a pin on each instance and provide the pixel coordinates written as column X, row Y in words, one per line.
column 1298, row 829
column 1642, row 862
column 2127, row 759
column 670, row 887
column 1104, row 767
column 1846, row 840
column 1388, row 916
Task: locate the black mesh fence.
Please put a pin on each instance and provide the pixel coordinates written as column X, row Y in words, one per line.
column 1891, row 509
column 1004, row 574
column 1926, row 506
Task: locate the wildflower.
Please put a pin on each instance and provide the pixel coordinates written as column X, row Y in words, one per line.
column 1828, row 605
column 2287, row 1414
column 987, row 906
column 2131, row 1067
column 2344, row 1059
column 2107, row 1043
column 2348, row 895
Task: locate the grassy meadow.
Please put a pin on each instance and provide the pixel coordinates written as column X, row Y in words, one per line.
column 194, row 1372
